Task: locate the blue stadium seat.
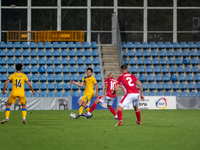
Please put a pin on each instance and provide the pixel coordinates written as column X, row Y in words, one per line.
column 10, row 69
column 2, row 86
column 50, row 78
column 32, row 45
column 145, row 93
column 152, row 45
column 188, row 69
column 161, row 53
column 172, row 69
column 195, row 69
column 140, row 61
column 65, row 69
column 150, row 77
column 3, row 77
column 17, row 53
column 71, row 45
column 9, row 53
column 142, row 77
column 137, row 45
column 40, row 45
column 34, row 69
column 9, row 45
column 43, row 86
column 183, row 86
column 67, row 93
column 145, row 45
column 175, row 45
column 190, row 85
column 181, row 77
column 184, row 94
column 156, row 69
column 152, row 93
column 72, row 69
column 144, row 85
column 27, row 94
column 176, row 93
column 34, row 78
column 192, row 53
column 154, row 53
column 47, row 45
column 75, row 93
column 124, row 53
column 95, row 61
column 81, row 69
column 155, row 61
column 63, row 53
column 10, row 86
column 42, row 69
column 196, row 77
column 36, row 94
column 2, row 69
column 169, row 53
column 25, row 53
column 40, row 53
column 141, row 69
column 51, row 86
column 191, row 45
column 88, row 61
column 177, row 53
column 184, row 53
column 130, row 53
column 95, row 53
column 197, row 85
column 138, row 53
column 160, row 93
column 168, row 45
column 165, row 77
column 167, row 86
column 51, row 94
column 72, row 61
column 133, row 69
column 74, row 87
column 132, row 61
column 158, row 77
column 99, row 85
column 59, row 94
column 189, row 77
column 180, row 69
column 164, row 69
column 80, row 61
column 25, row 69
column 2, row 53
column 192, row 94
column 48, row 53
column 59, row 86
column 33, row 61
column 97, row 76
column 79, row 45
column 125, row 61
column 173, row 77
column 79, row 53
column 43, row 94
column 85, row 45
column 55, row 45
column 123, row 45
column 93, row 45
column 146, row 53
column 198, row 53
column 163, row 61
column 64, row 61
column 56, row 53
column 160, row 45
column 178, row 61
column 86, row 53
column 186, row 61
column 33, row 53
column 194, row 61
column 151, row 86
column 41, row 61
column 2, row 45
column 35, row 86
column 49, row 69
column 96, row 69
column 149, row 69
column 198, row 93
column 159, row 86
column 58, row 78
column 129, row 45
column 63, row 45
column 175, row 86
column 80, row 77
column 56, row 61
column 197, row 45
column 17, row 45
column 170, row 61
column 71, row 53
column 67, row 86
column 183, row 45
column 74, row 77
column 28, row 76
column 42, row 78
column 147, row 61
column 168, row 93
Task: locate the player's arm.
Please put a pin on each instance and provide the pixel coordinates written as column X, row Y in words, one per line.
column 5, row 85
column 97, row 88
column 116, row 88
column 105, row 90
column 80, row 85
column 31, row 87
column 141, row 89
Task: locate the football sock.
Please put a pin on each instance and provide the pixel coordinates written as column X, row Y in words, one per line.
column 112, row 110
column 93, row 107
column 119, row 114
column 87, row 108
column 137, row 112
column 24, row 112
column 116, row 116
column 7, row 113
column 80, row 109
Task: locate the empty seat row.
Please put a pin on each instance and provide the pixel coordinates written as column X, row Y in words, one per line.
column 175, row 93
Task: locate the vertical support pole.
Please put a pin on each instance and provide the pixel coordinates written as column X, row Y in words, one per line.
column 0, row 20
column 115, row 6
column 114, row 29
column 175, row 21
column 59, row 15
column 145, row 22
column 89, row 21
column 29, row 19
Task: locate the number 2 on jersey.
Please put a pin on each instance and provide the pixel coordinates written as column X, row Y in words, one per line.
column 18, row 84
column 129, row 81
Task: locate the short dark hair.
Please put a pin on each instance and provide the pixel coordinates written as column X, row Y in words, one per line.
column 18, row 66
column 89, row 68
column 124, row 67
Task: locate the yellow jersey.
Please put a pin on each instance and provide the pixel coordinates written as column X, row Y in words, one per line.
column 89, row 83
column 18, row 80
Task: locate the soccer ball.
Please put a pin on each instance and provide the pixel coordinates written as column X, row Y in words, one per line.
column 72, row 115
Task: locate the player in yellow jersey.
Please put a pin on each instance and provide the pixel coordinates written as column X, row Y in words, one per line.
column 18, row 80
column 89, row 82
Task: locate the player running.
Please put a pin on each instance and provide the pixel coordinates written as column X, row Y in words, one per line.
column 18, row 80
column 128, row 83
column 89, row 82
column 107, row 97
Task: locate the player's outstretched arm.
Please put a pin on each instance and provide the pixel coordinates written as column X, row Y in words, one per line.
column 115, row 89
column 97, row 88
column 31, row 87
column 80, row 85
column 5, row 85
column 141, row 89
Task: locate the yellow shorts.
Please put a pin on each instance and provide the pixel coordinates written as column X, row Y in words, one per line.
column 12, row 99
column 87, row 97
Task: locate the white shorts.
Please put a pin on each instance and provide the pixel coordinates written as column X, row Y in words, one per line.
column 106, row 100
column 128, row 98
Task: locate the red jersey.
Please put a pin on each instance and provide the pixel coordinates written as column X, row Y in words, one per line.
column 111, row 85
column 127, row 82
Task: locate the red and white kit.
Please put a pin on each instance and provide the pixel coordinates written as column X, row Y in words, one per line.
column 109, row 98
column 127, row 81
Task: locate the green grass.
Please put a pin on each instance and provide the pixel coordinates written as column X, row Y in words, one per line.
column 52, row 130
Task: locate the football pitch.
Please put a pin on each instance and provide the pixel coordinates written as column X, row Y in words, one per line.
column 53, row 129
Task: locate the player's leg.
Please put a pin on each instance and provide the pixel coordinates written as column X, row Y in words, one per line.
column 7, row 112
column 112, row 110
column 88, row 98
column 89, row 114
column 80, row 109
column 137, row 111
column 22, row 100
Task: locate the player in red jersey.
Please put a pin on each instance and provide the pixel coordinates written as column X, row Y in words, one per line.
column 107, row 96
column 128, row 83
